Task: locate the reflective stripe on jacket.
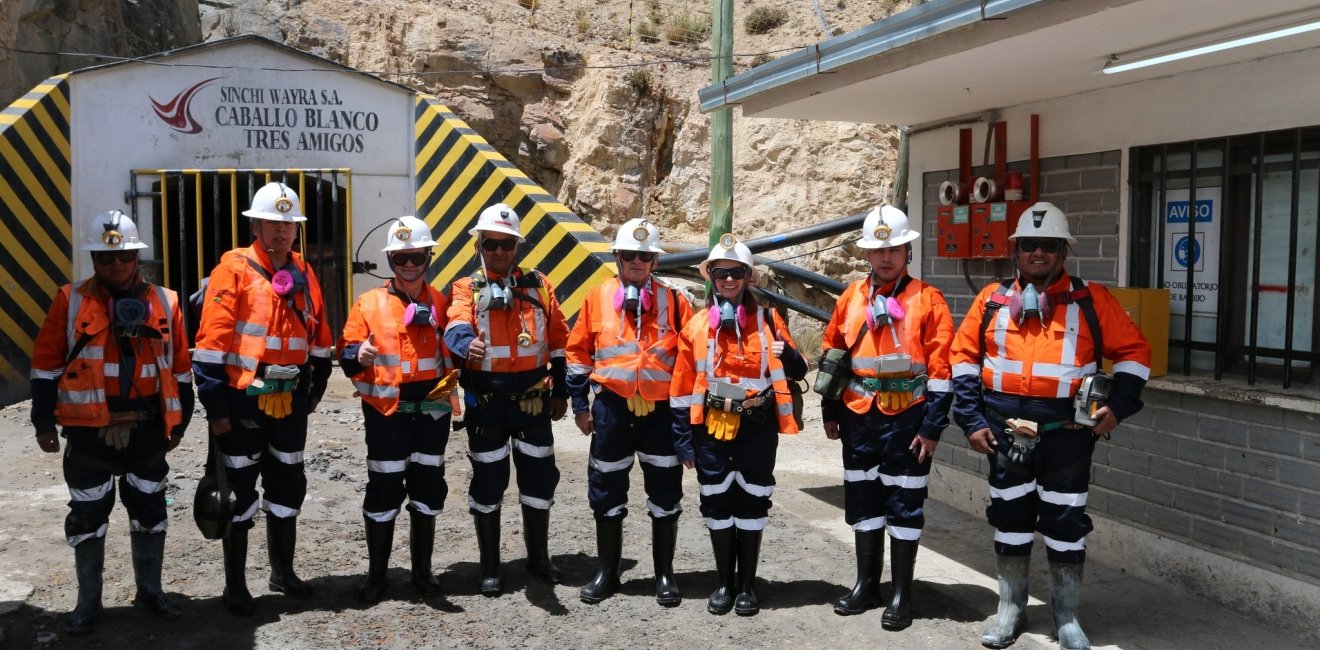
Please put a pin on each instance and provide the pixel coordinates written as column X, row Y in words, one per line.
column 87, row 380
column 746, row 362
column 608, row 346
column 500, row 328
column 1047, row 360
column 406, row 353
column 924, row 333
column 245, row 324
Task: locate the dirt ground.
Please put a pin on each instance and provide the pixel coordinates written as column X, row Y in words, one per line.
column 802, row 568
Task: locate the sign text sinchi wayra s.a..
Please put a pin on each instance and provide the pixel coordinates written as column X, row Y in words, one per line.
column 303, row 119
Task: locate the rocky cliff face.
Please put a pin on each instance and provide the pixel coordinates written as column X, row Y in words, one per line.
column 116, row 28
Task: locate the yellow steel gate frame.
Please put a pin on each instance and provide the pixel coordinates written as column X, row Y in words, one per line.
column 196, row 176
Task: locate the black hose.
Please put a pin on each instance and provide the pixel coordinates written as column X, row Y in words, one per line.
column 772, row 242
column 797, row 306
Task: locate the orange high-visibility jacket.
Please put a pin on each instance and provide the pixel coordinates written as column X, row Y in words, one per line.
column 545, row 325
column 83, row 310
column 924, row 333
column 746, row 361
column 608, row 345
column 244, row 323
column 1047, row 360
column 407, row 353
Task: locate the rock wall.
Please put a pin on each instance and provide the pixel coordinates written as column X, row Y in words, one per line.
column 117, row 28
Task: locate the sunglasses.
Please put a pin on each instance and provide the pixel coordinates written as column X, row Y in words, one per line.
column 492, row 245
column 737, row 273
column 106, row 258
column 415, row 259
column 1047, row 246
column 629, row 256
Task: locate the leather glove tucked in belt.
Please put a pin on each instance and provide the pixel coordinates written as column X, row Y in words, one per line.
column 722, row 424
column 640, row 406
column 894, row 400
column 444, row 387
column 276, row 405
column 115, row 435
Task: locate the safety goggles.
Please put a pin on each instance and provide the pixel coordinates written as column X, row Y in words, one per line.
column 629, row 256
column 737, row 273
column 416, row 258
column 1047, row 246
column 492, row 245
column 106, row 258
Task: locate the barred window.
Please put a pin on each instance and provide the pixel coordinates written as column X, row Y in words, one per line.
column 1228, row 225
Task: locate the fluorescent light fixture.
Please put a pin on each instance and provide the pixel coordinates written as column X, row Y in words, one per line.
column 1124, row 63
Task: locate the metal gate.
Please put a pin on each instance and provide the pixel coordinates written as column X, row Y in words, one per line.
column 195, row 216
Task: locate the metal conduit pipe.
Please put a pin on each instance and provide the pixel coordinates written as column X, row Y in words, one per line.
column 797, row 306
column 772, row 242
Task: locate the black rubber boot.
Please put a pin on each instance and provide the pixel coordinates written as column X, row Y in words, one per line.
column 237, row 598
column 536, row 535
column 870, row 558
column 609, row 550
column 664, row 539
column 1011, row 618
column 281, row 540
column 488, row 543
column 421, row 543
column 725, row 543
column 380, row 538
column 749, row 556
column 89, row 561
column 903, row 560
column 148, row 556
column 1065, row 597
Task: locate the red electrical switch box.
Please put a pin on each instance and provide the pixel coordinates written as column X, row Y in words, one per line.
column 954, row 231
column 992, row 223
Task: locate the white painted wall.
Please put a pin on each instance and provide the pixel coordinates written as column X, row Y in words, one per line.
column 115, row 128
column 1261, row 95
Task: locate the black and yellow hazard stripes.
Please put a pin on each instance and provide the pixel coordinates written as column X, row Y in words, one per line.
column 35, row 218
column 458, row 173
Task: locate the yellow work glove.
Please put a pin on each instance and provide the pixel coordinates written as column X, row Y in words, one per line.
column 531, row 405
column 640, row 406
column 722, row 424
column 276, row 405
column 444, row 388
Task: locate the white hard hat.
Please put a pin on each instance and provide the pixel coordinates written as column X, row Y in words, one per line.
column 638, row 235
column 407, row 233
column 112, row 231
column 276, row 202
column 1043, row 220
column 729, row 248
column 886, row 227
column 498, row 218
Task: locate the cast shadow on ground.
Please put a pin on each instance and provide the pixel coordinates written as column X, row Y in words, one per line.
column 463, row 579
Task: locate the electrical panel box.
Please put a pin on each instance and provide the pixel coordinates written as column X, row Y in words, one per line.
column 954, row 231
column 992, row 223
column 1149, row 309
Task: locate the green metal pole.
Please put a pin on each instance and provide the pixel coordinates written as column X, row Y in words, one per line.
column 721, row 125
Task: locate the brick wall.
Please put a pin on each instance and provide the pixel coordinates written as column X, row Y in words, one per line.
column 1214, row 471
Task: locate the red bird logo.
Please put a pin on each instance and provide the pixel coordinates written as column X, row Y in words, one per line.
column 176, row 111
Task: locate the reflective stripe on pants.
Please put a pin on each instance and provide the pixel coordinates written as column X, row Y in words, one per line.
column 92, row 490
column 619, row 437
column 1021, row 505
column 405, row 457
column 532, row 448
column 737, row 476
column 884, row 485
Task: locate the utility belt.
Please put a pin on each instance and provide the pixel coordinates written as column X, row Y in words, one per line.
column 499, row 398
column 425, row 406
column 755, row 408
column 273, row 386
column 893, row 384
column 1018, row 456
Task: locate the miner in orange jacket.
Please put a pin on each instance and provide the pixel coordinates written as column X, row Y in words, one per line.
column 506, row 326
column 393, row 351
column 1026, row 347
column 262, row 361
column 622, row 350
column 111, row 366
column 730, row 400
column 896, row 331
